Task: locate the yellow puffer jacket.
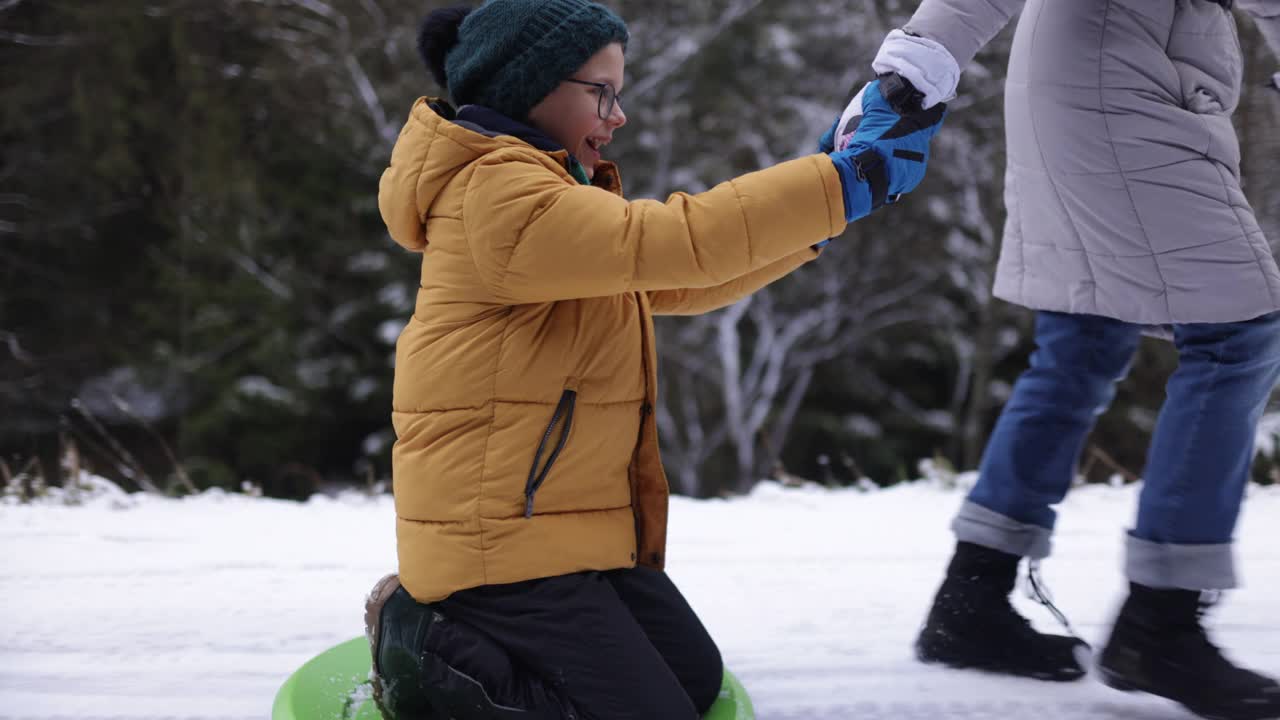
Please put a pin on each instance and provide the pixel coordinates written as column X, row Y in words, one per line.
column 526, row 445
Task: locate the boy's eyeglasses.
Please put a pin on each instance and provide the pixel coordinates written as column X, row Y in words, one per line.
column 608, row 97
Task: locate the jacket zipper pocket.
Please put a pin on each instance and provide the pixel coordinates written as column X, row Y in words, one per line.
column 536, row 477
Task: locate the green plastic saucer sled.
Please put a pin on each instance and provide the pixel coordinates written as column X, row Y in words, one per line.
column 334, row 685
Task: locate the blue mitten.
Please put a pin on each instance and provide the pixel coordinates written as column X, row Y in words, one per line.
column 886, row 156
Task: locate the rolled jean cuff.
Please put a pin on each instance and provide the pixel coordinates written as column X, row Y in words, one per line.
column 1182, row 567
column 988, row 528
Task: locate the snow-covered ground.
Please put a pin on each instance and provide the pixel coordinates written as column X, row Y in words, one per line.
column 145, row 608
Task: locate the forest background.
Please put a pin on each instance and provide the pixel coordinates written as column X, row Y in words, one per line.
column 196, row 289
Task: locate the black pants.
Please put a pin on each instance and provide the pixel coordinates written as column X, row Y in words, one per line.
column 616, row 645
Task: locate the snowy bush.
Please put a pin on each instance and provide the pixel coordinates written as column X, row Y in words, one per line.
column 1266, row 466
column 941, row 473
column 30, row 487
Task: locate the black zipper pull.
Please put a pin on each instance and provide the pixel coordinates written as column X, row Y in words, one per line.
column 563, row 409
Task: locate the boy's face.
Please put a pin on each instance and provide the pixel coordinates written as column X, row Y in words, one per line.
column 570, row 114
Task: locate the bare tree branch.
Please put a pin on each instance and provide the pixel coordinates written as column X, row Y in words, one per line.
column 681, row 53
column 38, row 40
column 386, row 130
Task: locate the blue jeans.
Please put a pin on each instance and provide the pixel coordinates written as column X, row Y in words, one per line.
column 1199, row 459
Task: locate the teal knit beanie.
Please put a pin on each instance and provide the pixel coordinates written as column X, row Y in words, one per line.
column 510, row 54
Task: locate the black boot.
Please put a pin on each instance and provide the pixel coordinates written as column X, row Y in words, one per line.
column 411, row 683
column 1159, row 646
column 398, row 690
column 973, row 625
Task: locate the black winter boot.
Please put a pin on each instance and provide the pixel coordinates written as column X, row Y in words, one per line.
column 973, row 625
column 397, row 691
column 1159, row 646
column 412, row 682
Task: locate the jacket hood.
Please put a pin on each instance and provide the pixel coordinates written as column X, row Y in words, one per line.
column 437, row 144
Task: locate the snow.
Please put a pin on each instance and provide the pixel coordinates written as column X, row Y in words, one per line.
column 1269, row 435
column 144, row 608
column 122, row 394
column 257, row 386
column 389, row 331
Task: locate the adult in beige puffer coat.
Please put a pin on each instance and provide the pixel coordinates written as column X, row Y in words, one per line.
column 1125, row 211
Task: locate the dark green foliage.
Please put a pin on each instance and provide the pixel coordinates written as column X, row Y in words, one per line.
column 196, row 222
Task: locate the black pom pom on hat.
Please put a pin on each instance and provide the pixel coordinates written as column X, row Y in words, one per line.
column 439, row 35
